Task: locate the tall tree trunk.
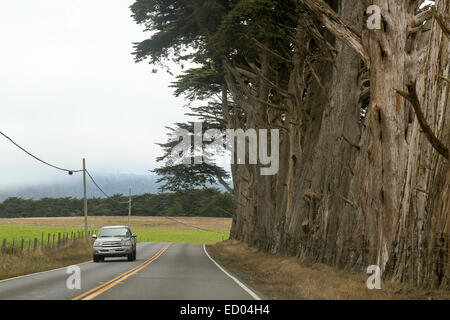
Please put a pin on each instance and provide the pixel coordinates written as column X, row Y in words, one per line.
column 420, row 253
column 353, row 193
column 321, row 219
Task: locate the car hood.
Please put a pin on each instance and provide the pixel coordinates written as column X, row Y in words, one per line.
column 111, row 239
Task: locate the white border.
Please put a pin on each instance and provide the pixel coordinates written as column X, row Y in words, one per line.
column 250, row 292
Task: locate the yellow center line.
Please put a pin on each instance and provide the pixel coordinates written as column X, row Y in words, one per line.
column 91, row 294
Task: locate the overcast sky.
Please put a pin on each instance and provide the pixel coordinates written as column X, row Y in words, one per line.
column 69, row 89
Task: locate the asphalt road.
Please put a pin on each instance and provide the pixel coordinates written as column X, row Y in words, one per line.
column 161, row 272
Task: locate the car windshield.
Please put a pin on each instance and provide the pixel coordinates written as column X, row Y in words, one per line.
column 114, row 232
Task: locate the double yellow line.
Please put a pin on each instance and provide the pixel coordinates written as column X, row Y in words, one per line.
column 91, row 294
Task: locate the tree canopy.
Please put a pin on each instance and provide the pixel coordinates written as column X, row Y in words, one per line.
column 206, row 203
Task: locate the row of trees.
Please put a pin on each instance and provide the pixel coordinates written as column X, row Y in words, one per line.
column 363, row 117
column 198, row 203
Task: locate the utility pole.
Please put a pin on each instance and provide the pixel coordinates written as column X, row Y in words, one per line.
column 85, row 201
column 129, row 209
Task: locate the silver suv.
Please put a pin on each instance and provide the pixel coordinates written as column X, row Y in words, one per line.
column 114, row 241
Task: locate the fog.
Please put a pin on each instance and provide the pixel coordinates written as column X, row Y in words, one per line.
column 69, row 89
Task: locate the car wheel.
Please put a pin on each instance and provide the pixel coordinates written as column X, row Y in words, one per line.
column 96, row 258
column 134, row 255
column 130, row 257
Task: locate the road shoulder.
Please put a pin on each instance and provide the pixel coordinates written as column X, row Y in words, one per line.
column 282, row 277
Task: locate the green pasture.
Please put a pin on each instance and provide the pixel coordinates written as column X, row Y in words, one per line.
column 184, row 235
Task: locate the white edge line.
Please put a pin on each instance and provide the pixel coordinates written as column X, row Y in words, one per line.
column 243, row 286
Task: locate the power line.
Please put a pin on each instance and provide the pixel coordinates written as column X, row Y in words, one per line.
column 95, row 183
column 38, row 159
column 101, row 190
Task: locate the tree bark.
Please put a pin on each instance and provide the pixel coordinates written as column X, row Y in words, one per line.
column 353, row 193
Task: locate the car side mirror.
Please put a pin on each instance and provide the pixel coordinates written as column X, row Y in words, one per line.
column 134, row 235
column 94, row 236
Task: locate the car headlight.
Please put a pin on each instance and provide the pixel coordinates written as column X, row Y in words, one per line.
column 126, row 242
column 97, row 244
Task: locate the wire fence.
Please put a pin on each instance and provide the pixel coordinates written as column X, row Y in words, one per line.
column 47, row 242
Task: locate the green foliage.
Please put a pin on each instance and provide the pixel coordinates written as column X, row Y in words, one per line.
column 178, row 176
column 262, row 20
column 198, row 83
column 176, row 209
column 170, row 21
column 182, row 177
column 194, row 203
column 208, row 32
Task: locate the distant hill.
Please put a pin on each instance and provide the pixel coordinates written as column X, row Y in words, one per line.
column 111, row 184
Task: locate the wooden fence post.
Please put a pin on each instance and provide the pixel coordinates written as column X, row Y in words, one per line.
column 59, row 239
column 35, row 244
column 4, row 246
column 48, row 241
column 42, row 241
column 21, row 245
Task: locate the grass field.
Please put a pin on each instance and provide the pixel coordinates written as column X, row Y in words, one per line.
column 152, row 229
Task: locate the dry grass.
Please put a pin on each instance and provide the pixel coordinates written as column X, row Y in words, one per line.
column 285, row 277
column 160, row 223
column 13, row 265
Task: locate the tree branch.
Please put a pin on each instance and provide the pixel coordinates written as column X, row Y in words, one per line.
column 317, row 79
column 222, row 121
column 248, row 93
column 445, row 79
column 226, row 186
column 351, row 143
column 411, row 96
column 423, row 16
column 337, row 26
column 441, row 21
column 246, row 73
column 280, row 90
column 271, row 52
